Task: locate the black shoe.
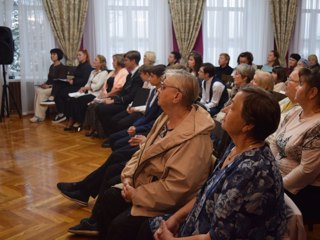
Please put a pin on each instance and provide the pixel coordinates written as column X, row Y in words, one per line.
column 77, row 196
column 106, row 144
column 89, row 134
column 68, row 186
column 87, row 227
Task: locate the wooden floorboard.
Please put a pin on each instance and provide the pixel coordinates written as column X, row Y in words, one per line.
column 33, row 158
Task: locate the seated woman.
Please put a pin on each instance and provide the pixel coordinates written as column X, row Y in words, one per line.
column 56, row 70
column 279, row 76
column 161, row 176
column 243, row 74
column 77, row 106
column 112, row 86
column 272, row 61
column 263, row 79
column 297, row 146
column 61, row 89
column 243, row 198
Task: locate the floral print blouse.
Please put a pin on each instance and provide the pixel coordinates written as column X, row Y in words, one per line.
column 245, row 200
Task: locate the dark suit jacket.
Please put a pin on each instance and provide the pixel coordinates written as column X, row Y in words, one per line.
column 145, row 123
column 133, row 83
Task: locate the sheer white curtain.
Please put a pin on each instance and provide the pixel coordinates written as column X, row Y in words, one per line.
column 123, row 25
column 306, row 39
column 36, row 40
column 235, row 26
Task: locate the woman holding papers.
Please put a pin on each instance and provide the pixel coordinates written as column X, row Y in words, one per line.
column 43, row 91
column 77, row 104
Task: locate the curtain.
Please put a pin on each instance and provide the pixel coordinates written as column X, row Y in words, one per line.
column 236, row 26
column 306, row 38
column 36, row 40
column 67, row 20
column 119, row 26
column 186, row 17
column 283, row 14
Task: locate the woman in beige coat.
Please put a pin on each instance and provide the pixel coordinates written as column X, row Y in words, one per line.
column 170, row 166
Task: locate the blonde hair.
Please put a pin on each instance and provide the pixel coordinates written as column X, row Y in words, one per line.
column 103, row 61
column 150, row 56
column 264, row 80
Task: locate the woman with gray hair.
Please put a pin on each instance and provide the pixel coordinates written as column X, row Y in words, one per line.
column 242, row 77
column 161, row 176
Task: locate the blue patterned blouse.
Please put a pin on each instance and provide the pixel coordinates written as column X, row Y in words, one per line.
column 245, row 200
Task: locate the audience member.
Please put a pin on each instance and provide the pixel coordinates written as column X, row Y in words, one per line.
column 117, row 103
column 112, row 86
column 303, row 63
column 279, row 76
column 314, row 64
column 76, row 106
column 243, row 198
column 297, row 146
column 194, row 63
column 161, row 178
column 143, row 124
column 149, row 58
column 293, row 61
column 173, row 58
column 243, row 75
column 272, row 61
column 61, row 89
column 214, row 92
column 42, row 93
column 263, row 79
column 124, row 119
column 224, row 67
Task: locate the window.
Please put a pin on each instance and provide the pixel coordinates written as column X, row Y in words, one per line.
column 307, row 34
column 235, row 26
column 123, row 25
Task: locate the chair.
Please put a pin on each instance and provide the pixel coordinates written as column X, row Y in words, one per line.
column 220, row 139
column 295, row 228
column 227, row 80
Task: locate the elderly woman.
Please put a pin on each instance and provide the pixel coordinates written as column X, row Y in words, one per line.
column 263, row 79
column 77, row 105
column 297, row 146
column 242, row 77
column 160, row 177
column 149, row 58
column 243, row 198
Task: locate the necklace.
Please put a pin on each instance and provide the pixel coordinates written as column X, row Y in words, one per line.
column 233, row 153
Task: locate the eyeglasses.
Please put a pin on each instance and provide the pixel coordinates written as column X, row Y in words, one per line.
column 163, row 86
column 291, row 80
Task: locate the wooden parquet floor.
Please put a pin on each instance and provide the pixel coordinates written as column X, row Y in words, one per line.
column 33, row 158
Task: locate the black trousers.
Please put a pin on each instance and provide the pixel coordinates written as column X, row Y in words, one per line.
column 104, row 176
column 60, row 92
column 307, row 200
column 105, row 112
column 76, row 107
column 124, row 120
column 114, row 220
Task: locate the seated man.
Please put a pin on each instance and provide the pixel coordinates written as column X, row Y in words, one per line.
column 160, row 177
column 214, row 92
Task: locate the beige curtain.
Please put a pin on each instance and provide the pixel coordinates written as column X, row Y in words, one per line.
column 186, row 17
column 67, row 18
column 283, row 14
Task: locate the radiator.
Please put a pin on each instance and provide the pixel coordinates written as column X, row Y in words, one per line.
column 15, row 90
